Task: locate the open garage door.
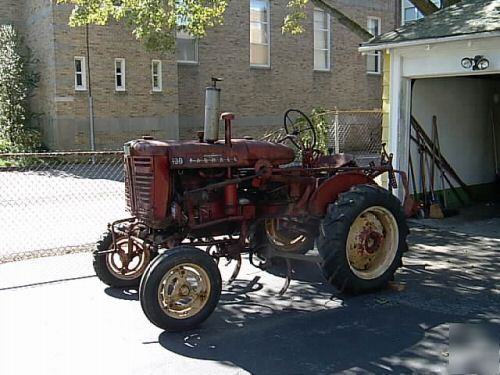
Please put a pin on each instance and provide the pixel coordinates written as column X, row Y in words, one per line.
column 467, row 117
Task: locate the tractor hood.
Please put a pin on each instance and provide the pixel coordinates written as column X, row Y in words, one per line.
column 195, row 154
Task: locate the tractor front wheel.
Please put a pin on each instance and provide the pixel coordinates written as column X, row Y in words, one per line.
column 123, row 267
column 362, row 239
column 180, row 289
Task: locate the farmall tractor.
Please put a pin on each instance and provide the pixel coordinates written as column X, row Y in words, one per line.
column 195, row 202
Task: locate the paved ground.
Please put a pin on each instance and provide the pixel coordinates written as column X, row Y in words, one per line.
column 72, row 324
column 59, row 207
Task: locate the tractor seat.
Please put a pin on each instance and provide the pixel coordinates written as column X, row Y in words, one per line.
column 336, row 160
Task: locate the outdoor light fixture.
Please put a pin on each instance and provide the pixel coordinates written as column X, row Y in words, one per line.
column 475, row 63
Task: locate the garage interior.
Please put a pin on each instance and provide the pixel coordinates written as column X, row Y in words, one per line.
column 467, row 118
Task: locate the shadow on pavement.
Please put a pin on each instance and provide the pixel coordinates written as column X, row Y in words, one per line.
column 260, row 339
column 128, row 294
column 449, row 278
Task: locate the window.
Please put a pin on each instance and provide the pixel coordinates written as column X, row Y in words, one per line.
column 120, row 74
column 373, row 58
column 321, row 40
column 80, row 74
column 187, row 48
column 156, row 75
column 259, row 33
column 410, row 11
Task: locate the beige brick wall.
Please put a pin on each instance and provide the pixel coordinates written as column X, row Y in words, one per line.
column 38, row 31
column 11, row 12
column 119, row 116
column 64, row 112
column 33, row 21
column 258, row 97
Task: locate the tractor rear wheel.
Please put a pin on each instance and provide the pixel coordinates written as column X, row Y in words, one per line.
column 180, row 288
column 122, row 268
column 362, row 239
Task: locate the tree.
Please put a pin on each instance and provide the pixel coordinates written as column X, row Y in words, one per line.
column 156, row 21
column 16, row 83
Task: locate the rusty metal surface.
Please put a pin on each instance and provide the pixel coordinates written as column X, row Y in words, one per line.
column 195, row 154
column 329, row 191
column 148, row 187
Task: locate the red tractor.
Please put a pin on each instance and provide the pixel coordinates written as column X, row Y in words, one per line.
column 195, row 202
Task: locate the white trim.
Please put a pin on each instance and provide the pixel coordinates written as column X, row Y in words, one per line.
column 419, row 13
column 418, row 42
column 268, row 44
column 185, row 35
column 394, row 113
column 403, row 156
column 329, row 47
column 83, row 86
column 122, row 65
column 378, row 70
column 403, row 12
column 158, row 88
column 187, row 62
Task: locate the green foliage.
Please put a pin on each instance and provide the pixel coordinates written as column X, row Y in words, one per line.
column 293, row 22
column 322, row 125
column 152, row 21
column 319, row 120
column 16, row 83
column 155, row 22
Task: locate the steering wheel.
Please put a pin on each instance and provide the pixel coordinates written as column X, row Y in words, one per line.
column 299, row 129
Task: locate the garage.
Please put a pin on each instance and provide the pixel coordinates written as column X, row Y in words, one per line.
column 441, row 103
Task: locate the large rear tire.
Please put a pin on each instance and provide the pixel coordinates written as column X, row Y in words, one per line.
column 180, row 289
column 362, row 239
column 110, row 267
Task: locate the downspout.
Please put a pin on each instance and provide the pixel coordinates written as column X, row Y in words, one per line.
column 398, row 13
column 91, row 101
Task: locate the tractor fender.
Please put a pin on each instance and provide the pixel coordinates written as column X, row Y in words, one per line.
column 329, row 190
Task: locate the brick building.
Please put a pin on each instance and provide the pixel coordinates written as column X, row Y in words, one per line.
column 135, row 92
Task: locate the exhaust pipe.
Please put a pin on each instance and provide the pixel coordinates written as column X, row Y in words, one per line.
column 212, row 112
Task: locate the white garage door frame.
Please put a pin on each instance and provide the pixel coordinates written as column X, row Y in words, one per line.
column 434, row 60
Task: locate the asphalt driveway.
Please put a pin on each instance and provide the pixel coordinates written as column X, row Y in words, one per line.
column 66, row 322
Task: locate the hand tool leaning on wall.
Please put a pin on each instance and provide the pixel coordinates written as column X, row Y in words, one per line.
column 430, row 147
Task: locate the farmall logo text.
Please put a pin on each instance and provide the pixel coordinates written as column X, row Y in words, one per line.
column 206, row 159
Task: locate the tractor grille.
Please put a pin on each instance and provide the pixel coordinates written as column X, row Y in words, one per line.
column 139, row 186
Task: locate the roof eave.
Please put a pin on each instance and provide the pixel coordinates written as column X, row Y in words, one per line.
column 417, row 42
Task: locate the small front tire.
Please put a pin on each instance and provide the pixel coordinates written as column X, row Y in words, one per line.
column 180, row 289
column 109, row 266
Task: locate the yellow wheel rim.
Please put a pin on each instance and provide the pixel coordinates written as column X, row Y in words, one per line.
column 372, row 243
column 129, row 260
column 184, row 291
column 284, row 239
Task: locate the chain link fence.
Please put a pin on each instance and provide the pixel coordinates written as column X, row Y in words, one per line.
column 355, row 132
column 57, row 203
column 60, row 203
